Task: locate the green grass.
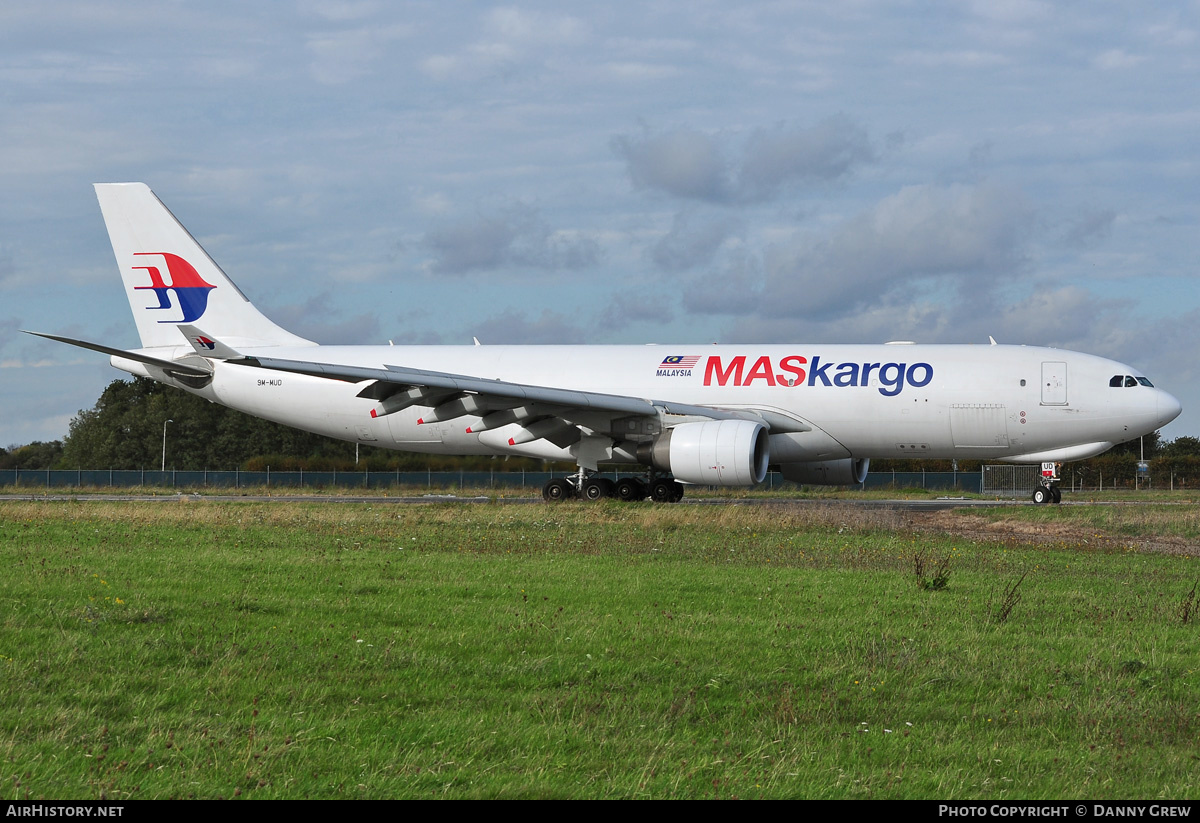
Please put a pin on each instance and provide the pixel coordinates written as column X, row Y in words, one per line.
column 1147, row 520
column 580, row 650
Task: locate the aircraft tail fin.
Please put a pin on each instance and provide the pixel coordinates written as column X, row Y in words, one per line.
column 171, row 281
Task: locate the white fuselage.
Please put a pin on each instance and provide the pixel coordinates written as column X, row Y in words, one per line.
column 824, row 402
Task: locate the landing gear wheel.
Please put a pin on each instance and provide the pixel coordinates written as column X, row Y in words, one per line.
column 1055, row 494
column 666, row 491
column 557, row 490
column 662, row 491
column 629, row 489
column 598, row 488
column 1041, row 495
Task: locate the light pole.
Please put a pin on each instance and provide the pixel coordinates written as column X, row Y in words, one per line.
column 164, row 460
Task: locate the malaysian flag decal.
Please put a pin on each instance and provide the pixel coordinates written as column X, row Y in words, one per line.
column 677, row 365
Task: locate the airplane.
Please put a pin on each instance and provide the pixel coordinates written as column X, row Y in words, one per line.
column 716, row 415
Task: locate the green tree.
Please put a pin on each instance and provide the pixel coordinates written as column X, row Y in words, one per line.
column 1152, row 443
column 1182, row 447
column 125, row 431
column 35, row 455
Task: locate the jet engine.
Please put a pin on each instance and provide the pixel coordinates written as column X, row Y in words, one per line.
column 827, row 472
column 713, row 453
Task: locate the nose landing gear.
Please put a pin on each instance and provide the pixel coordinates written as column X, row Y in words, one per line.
column 1047, row 490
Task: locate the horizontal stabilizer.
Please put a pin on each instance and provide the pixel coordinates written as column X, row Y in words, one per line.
column 207, row 346
column 170, row 365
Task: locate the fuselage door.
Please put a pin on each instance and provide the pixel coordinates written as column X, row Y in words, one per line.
column 1054, row 383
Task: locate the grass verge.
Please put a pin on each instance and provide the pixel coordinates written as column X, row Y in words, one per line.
column 298, row 650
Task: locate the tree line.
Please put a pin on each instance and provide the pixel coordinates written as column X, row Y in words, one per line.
column 124, row 430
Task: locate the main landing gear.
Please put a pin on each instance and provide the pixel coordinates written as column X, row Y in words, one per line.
column 628, row 489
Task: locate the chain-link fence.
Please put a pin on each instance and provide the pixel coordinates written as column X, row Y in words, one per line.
column 428, row 480
column 1009, row 480
column 993, row 480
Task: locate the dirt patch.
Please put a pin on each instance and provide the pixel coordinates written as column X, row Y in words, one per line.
column 1022, row 532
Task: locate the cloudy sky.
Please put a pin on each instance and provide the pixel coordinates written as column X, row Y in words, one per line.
column 622, row 172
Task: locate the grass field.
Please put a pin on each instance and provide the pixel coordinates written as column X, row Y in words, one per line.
column 582, row 650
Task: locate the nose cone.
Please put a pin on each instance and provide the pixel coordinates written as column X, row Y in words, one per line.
column 1168, row 408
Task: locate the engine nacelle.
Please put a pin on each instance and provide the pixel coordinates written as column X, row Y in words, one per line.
column 714, row 453
column 846, row 472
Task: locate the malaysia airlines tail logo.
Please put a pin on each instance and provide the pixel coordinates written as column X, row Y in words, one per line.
column 191, row 292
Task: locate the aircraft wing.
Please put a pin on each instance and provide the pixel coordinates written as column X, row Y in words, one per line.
column 437, row 389
column 561, row 416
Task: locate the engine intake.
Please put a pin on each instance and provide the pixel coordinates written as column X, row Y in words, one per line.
column 714, row 453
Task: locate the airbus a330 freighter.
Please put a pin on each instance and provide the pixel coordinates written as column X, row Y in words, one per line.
column 699, row 414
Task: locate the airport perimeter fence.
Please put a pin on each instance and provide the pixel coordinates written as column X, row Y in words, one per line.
column 376, row 480
column 993, row 480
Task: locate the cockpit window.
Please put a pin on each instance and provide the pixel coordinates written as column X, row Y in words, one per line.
column 1116, row 381
column 1145, row 382
column 1129, row 381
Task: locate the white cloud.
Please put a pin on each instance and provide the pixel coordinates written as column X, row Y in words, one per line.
column 1012, row 11
column 535, row 27
column 319, row 319
column 735, row 288
column 341, row 11
column 640, row 72
column 691, row 242
column 1116, row 59
column 434, row 203
column 626, row 309
column 683, row 163
column 697, row 165
column 512, row 40
column 1090, row 228
column 514, row 327
column 341, row 56
column 916, row 234
column 1174, row 35
column 953, row 59
column 514, row 236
